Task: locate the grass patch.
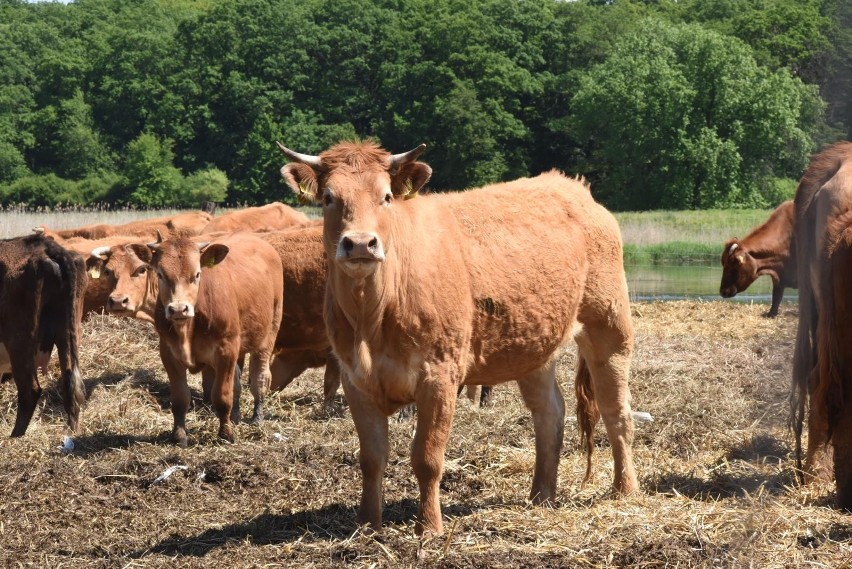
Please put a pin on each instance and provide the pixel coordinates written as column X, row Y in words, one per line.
column 677, row 253
column 705, row 227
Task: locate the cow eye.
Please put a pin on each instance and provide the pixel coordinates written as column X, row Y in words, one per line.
column 141, row 271
column 327, row 198
column 197, row 277
column 388, row 198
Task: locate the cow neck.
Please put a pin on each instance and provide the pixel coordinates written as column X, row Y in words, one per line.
column 184, row 332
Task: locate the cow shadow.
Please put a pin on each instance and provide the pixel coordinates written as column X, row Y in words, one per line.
column 737, row 475
column 86, row 446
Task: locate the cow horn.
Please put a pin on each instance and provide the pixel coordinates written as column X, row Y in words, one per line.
column 313, row 161
column 39, row 229
column 733, row 247
column 99, row 253
column 398, row 160
column 156, row 244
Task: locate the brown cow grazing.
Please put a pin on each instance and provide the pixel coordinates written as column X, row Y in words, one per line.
column 270, row 217
column 477, row 287
column 182, row 224
column 41, row 297
column 824, row 190
column 767, row 250
column 216, row 303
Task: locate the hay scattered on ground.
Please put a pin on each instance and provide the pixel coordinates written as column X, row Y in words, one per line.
column 715, row 469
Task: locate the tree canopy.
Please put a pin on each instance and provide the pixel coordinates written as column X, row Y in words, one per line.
column 689, row 104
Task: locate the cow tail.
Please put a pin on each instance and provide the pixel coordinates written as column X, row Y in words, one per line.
column 73, row 287
column 588, row 413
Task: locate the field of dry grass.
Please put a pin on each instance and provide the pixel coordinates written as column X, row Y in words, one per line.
column 715, row 467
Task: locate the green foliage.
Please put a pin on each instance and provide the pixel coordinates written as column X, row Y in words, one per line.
column 202, row 186
column 683, row 118
column 497, row 89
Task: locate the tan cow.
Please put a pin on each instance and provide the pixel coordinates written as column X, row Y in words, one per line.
column 216, row 303
column 270, row 217
column 301, row 342
column 182, row 224
column 767, row 250
column 476, row 287
column 824, row 192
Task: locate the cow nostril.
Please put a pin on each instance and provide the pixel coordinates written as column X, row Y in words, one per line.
column 347, row 244
column 373, row 242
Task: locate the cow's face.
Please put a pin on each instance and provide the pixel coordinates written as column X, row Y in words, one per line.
column 177, row 265
column 359, row 186
column 738, row 269
column 129, row 275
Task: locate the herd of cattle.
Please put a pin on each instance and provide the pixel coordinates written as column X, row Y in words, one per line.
column 408, row 300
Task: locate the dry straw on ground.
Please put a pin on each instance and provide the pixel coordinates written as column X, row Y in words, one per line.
column 715, row 468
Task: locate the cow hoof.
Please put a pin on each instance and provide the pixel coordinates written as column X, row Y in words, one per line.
column 236, row 417
column 770, row 314
column 226, row 433
column 179, row 440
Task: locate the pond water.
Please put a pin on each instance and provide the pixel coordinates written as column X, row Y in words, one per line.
column 680, row 282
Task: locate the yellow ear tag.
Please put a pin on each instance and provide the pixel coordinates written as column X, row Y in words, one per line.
column 210, row 262
column 95, row 272
column 410, row 196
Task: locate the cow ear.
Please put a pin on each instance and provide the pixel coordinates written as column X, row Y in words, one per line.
column 740, row 258
column 144, row 252
column 212, row 255
column 303, row 180
column 410, row 179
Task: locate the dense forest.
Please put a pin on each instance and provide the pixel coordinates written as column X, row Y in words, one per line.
column 669, row 104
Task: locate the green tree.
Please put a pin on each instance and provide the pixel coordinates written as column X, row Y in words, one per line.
column 683, row 117
column 208, row 185
column 151, row 178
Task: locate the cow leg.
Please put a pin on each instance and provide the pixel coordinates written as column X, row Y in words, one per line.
column 607, row 349
column 330, row 381
column 819, row 455
column 543, row 398
column 222, row 395
column 29, row 390
column 236, row 415
column 777, row 296
column 180, row 394
column 842, row 441
column 259, row 380
column 284, row 370
column 436, row 402
column 372, row 428
column 486, row 396
column 208, row 376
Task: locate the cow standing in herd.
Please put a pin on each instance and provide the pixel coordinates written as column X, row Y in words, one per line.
column 41, row 302
column 767, row 250
column 822, row 371
column 216, row 303
column 479, row 287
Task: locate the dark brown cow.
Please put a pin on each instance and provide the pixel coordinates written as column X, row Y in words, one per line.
column 182, row 224
column 270, row 217
column 216, row 303
column 824, row 192
column 767, row 250
column 41, row 299
column 477, row 287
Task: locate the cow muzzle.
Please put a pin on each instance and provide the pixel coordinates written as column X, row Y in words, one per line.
column 179, row 311
column 728, row 292
column 360, row 247
column 118, row 303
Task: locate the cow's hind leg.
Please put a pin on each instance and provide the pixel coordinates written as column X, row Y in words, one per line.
column 436, row 402
column 819, row 456
column 607, row 349
column 29, row 391
column 259, row 379
column 543, row 398
column 372, row 428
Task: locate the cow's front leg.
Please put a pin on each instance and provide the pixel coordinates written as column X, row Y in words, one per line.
column 436, row 403
column 180, row 394
column 777, row 297
column 371, row 425
column 222, row 395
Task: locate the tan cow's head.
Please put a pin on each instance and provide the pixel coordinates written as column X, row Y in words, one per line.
column 128, row 269
column 738, row 269
column 177, row 264
column 359, row 185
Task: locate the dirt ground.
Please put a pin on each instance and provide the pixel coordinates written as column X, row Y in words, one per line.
column 715, row 468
